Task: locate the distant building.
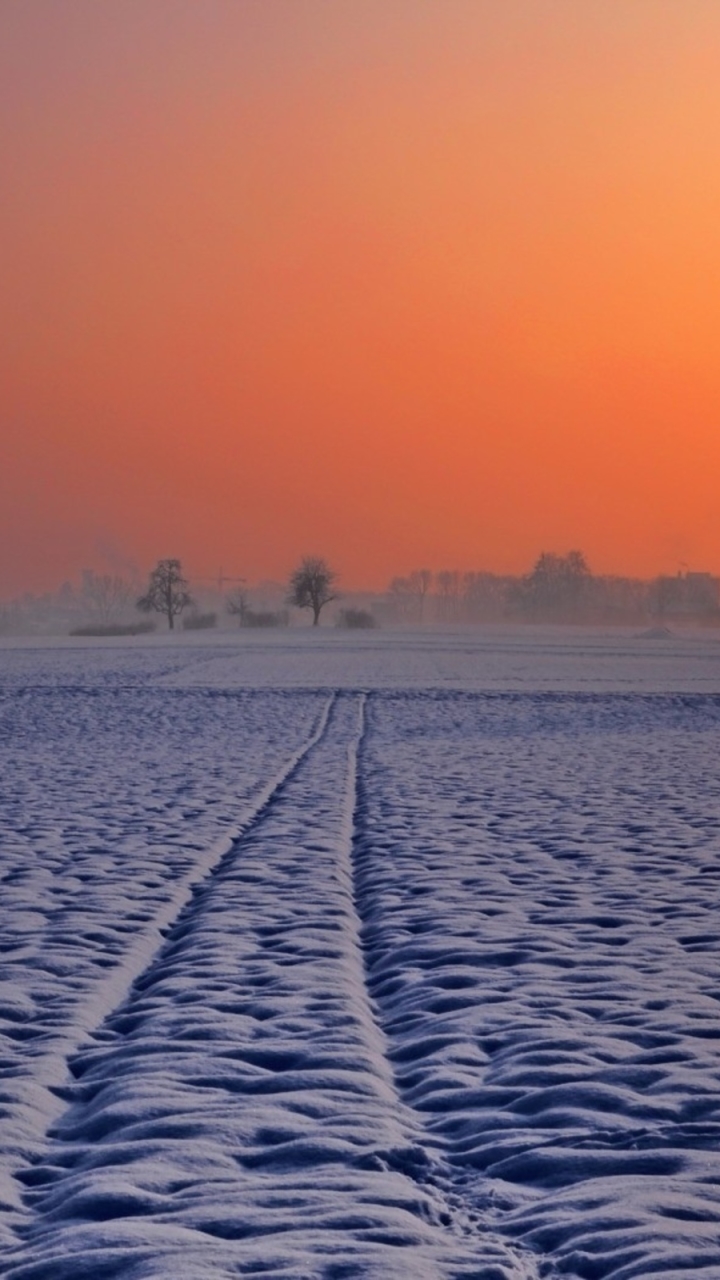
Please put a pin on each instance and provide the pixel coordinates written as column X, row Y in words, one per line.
column 693, row 596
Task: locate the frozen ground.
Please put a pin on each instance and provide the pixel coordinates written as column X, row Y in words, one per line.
column 386, row 957
column 520, row 659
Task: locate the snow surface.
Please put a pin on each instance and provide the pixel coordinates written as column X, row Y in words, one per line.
column 383, row 957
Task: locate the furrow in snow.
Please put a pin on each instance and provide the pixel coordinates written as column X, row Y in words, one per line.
column 377, row 892
column 539, row 895
column 236, row 1113
column 461, row 1217
column 34, row 1100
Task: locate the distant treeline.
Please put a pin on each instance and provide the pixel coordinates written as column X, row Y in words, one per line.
column 559, row 588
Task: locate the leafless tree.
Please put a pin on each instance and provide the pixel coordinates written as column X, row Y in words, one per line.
column 167, row 591
column 486, row 596
column 105, row 595
column 311, row 585
column 237, row 604
column 404, row 600
column 447, row 582
column 557, row 587
column 409, row 594
column 421, row 581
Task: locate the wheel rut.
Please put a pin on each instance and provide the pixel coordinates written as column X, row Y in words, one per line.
column 466, row 1206
column 50, row 1086
column 237, row 1111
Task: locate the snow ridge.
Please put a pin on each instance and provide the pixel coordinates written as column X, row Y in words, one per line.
column 445, row 1008
column 465, row 1215
column 236, row 1113
column 40, row 1099
column 546, row 971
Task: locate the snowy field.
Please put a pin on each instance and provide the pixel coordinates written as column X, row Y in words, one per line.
column 360, row 958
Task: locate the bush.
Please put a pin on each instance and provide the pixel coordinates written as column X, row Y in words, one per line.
column 260, row 618
column 199, row 621
column 356, row 620
column 114, row 629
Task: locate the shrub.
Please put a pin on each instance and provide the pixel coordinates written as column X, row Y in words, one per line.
column 264, row 618
column 113, row 629
column 199, row 621
column 356, row 619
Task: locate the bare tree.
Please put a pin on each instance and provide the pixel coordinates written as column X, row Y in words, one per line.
column 487, row 596
column 105, row 595
column 311, row 585
column 403, row 600
column 421, row 580
column 558, row 586
column 447, row 582
column 408, row 594
column 237, row 604
column 167, row 591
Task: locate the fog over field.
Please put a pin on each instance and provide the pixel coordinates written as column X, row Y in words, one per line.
column 382, row 956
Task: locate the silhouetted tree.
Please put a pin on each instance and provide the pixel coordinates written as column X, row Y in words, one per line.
column 421, row 580
column 404, row 601
column 106, row 595
column 408, row 594
column 237, row 604
column 447, row 584
column 167, row 591
column 557, row 586
column 486, row 596
column 311, row 585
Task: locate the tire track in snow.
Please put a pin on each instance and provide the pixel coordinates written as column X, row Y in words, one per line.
column 469, row 1213
column 238, row 1112
column 46, row 1093
column 525, row 928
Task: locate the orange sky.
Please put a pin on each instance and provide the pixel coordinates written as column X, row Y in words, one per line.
column 402, row 282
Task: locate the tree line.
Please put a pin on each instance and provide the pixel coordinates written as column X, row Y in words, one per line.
column 311, row 586
column 558, row 588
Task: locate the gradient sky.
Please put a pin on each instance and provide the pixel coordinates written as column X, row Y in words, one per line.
column 402, row 282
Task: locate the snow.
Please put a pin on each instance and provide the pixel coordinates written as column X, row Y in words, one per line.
column 391, row 956
column 520, row 659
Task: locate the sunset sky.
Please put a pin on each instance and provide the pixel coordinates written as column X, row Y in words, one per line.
column 401, row 282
